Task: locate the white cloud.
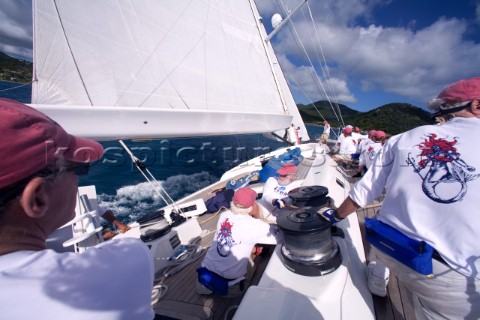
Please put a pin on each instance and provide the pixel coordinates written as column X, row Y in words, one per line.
column 413, row 64
column 307, row 84
column 16, row 28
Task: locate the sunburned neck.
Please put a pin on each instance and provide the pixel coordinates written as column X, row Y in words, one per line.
column 19, row 241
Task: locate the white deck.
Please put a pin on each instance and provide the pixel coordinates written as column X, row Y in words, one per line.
column 282, row 294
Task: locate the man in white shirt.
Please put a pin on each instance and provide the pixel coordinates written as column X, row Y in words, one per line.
column 348, row 146
column 224, row 268
column 38, row 186
column 326, row 133
column 432, row 179
column 369, row 152
column 364, row 142
column 276, row 189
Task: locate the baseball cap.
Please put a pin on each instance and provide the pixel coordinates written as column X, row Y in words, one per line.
column 287, row 168
column 456, row 95
column 379, row 134
column 347, row 130
column 245, row 197
column 31, row 141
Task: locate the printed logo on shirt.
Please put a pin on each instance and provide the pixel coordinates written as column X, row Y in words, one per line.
column 447, row 174
column 281, row 190
column 225, row 241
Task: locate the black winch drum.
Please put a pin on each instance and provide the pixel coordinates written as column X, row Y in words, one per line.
column 308, row 247
column 309, row 196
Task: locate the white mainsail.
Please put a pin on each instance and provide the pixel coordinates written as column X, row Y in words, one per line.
column 156, row 69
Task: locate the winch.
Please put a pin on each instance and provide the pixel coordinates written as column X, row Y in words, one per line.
column 309, row 196
column 308, row 247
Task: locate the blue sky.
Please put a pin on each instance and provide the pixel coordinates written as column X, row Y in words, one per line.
column 376, row 51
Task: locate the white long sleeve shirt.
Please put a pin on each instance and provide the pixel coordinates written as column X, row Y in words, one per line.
column 273, row 190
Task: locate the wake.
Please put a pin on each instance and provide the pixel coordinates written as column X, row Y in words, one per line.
column 133, row 202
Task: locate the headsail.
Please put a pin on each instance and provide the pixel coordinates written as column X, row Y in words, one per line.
column 154, row 69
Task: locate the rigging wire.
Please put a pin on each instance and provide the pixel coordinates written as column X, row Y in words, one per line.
column 305, row 56
column 325, row 70
column 151, row 179
column 316, row 78
column 308, row 98
column 13, row 88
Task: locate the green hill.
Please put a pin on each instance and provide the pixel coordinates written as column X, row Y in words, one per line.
column 12, row 69
column 313, row 113
column 392, row 118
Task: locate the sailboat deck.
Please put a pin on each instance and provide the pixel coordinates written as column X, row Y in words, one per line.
column 396, row 304
column 181, row 300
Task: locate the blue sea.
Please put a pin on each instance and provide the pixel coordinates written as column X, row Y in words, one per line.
column 181, row 166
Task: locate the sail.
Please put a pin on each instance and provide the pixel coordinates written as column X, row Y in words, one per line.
column 156, row 69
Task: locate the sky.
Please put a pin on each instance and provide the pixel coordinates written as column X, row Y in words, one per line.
column 376, row 51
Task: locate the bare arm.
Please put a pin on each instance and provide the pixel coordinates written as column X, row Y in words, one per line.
column 348, row 206
column 108, row 215
column 255, row 211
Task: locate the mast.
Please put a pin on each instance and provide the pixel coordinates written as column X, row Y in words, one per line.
column 265, row 44
column 285, row 95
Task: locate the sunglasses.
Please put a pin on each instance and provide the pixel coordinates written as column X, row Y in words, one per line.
column 15, row 190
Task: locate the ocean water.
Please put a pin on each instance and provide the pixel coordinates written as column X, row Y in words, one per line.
column 181, row 166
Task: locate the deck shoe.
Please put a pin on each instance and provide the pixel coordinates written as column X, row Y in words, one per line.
column 377, row 275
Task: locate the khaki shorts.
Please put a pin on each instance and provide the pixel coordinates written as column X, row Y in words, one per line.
column 324, row 137
column 445, row 295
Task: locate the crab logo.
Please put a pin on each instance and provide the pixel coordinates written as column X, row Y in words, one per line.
column 225, row 240
column 447, row 175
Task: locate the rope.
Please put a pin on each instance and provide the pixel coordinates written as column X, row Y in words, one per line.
column 158, row 292
column 193, row 251
column 214, row 215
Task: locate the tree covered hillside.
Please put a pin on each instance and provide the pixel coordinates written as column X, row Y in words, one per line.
column 392, row 118
column 12, row 69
